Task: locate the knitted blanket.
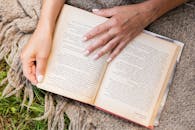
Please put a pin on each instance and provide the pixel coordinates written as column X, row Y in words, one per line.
column 18, row 19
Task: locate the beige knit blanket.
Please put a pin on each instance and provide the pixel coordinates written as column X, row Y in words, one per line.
column 18, row 19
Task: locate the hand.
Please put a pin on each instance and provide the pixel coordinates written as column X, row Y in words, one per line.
column 35, row 54
column 125, row 23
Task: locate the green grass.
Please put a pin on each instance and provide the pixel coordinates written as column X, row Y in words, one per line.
column 12, row 117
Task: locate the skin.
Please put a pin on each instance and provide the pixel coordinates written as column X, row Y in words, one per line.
column 125, row 23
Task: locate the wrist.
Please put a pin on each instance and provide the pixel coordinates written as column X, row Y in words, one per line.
column 149, row 11
column 45, row 27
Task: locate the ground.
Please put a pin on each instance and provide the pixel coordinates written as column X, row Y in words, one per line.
column 12, row 116
column 179, row 111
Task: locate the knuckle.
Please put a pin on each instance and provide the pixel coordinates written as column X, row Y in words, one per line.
column 102, row 52
column 91, row 47
column 101, row 41
column 112, row 45
column 90, row 34
column 109, row 46
column 97, row 29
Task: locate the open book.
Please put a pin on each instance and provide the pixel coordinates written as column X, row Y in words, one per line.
column 131, row 86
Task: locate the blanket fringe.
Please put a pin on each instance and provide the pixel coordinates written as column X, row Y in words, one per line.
column 13, row 36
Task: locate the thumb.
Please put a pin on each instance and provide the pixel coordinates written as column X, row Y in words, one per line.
column 104, row 12
column 40, row 68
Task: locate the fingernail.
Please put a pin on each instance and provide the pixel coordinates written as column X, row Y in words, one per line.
column 84, row 38
column 109, row 59
column 95, row 10
column 39, row 78
column 86, row 53
column 95, row 57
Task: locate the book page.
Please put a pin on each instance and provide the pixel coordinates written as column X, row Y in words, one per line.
column 133, row 81
column 69, row 72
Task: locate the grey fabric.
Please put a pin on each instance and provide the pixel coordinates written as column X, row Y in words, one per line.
column 91, row 4
column 179, row 111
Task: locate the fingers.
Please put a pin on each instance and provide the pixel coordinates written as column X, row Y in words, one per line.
column 97, row 30
column 120, row 47
column 108, row 47
column 120, row 24
column 104, row 26
column 102, row 41
column 116, row 51
column 105, row 38
column 41, row 63
column 112, row 25
column 105, row 12
column 34, row 72
column 29, row 71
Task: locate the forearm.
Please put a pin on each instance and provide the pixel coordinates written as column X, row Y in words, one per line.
column 156, row 8
column 49, row 12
